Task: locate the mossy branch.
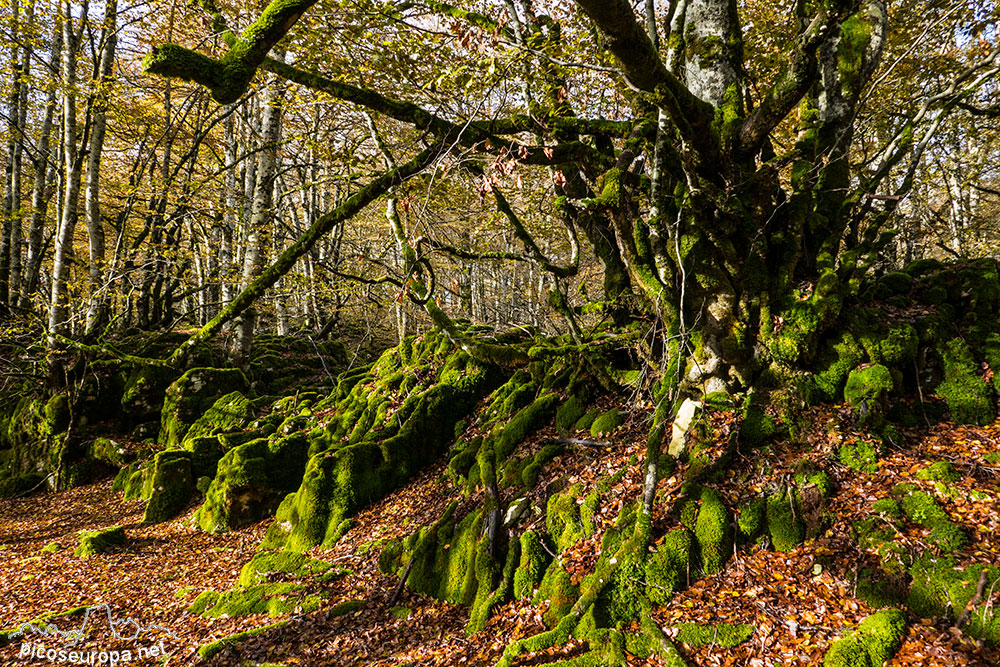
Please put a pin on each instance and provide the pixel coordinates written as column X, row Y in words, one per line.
column 229, row 77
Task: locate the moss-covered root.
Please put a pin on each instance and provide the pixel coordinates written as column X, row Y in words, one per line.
column 98, row 541
column 591, row 589
column 212, row 649
column 876, row 640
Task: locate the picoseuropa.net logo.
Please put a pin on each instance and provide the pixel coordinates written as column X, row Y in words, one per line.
column 126, row 639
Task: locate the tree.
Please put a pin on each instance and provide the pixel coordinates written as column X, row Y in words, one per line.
column 747, row 250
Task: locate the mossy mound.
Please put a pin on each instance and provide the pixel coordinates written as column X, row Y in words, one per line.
column 876, row 640
column 99, row 541
column 725, row 635
column 169, row 486
column 712, row 532
column 272, row 599
column 669, row 568
column 189, row 398
column 605, row 424
column 970, row 398
column 251, row 481
column 534, row 561
column 266, row 566
column 923, row 509
column 230, row 412
column 940, row 589
column 369, row 449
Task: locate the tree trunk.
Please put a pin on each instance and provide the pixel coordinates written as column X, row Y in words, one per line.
column 97, row 308
column 59, row 305
column 46, row 173
column 262, row 214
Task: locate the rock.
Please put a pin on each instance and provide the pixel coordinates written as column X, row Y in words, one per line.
column 682, row 424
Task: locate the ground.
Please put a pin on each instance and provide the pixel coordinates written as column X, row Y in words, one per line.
column 797, row 602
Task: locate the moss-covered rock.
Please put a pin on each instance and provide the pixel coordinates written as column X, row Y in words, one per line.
column 569, row 414
column 273, row 599
column 190, row 397
column 341, row 478
column 866, row 390
column 713, row 532
column 98, row 541
column 862, row 456
column 941, row 471
column 558, row 591
column 562, row 518
column 266, row 565
column 231, row 412
column 751, row 523
column 876, row 640
column 251, row 481
column 784, row 522
column 668, row 569
column 170, row 485
column 606, row 423
column 940, row 588
column 923, row 509
column 971, row 399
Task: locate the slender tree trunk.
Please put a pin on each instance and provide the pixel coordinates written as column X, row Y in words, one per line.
column 262, row 213
column 59, row 307
column 11, row 199
column 98, row 303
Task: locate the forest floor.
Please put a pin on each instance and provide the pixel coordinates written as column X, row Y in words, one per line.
column 796, row 605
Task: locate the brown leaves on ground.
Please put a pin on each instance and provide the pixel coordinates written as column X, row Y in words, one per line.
column 799, row 602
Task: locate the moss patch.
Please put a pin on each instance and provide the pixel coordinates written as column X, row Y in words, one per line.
column 99, row 541
column 876, row 640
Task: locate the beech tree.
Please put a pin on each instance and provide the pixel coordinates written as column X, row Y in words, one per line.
column 745, row 249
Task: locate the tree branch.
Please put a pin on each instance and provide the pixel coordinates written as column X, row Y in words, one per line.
column 287, row 259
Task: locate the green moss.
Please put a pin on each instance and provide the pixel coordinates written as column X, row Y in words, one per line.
column 56, row 415
column 605, row 424
column 752, row 520
column 713, row 533
column 970, row 398
column 725, row 635
column 866, row 390
column 210, row 650
column 939, row 588
column 860, row 457
column 921, row 508
column 529, row 475
column 587, row 420
column 272, row 599
column 523, row 424
column 558, row 590
column 170, row 484
column 51, row 547
column 562, row 518
column 346, row 607
column 231, row 412
column 668, row 569
column 266, row 564
column 531, row 568
column 941, row 471
column 569, row 414
column 897, row 282
column 784, row 522
column 876, row 640
column 98, row 541
column 190, row 396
